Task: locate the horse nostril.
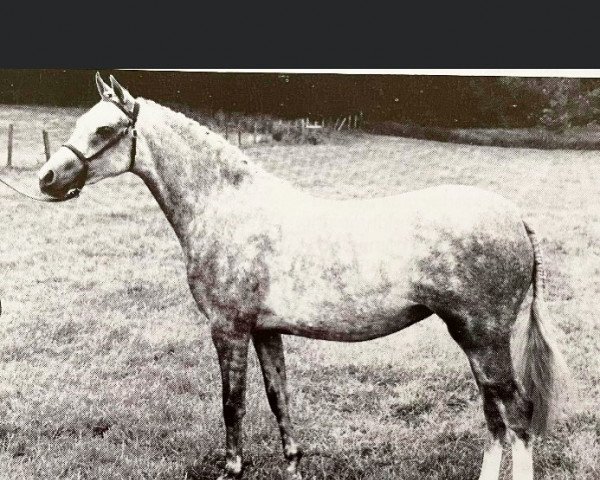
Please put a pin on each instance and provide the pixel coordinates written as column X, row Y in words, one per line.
column 47, row 179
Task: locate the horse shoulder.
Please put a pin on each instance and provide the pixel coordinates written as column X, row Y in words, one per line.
column 228, row 257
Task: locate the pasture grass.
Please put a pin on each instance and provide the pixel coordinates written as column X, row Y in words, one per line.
column 107, row 370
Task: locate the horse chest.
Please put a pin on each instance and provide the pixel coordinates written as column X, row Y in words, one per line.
column 231, row 277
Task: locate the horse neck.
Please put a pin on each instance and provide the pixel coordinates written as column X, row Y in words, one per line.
column 185, row 164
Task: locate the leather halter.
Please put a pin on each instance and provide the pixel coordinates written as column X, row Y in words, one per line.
column 74, row 193
column 130, row 127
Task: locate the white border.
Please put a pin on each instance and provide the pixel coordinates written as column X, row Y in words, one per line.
column 495, row 72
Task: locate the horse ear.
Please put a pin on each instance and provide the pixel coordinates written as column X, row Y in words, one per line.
column 103, row 88
column 122, row 95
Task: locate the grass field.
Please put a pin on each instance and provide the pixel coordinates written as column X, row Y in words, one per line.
column 107, row 370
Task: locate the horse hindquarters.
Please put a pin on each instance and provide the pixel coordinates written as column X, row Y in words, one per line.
column 518, row 393
column 477, row 287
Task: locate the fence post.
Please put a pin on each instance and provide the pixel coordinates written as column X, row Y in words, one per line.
column 239, row 135
column 10, row 146
column 227, row 131
column 46, row 144
column 255, row 132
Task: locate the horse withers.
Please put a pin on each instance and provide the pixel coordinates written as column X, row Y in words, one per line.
column 265, row 259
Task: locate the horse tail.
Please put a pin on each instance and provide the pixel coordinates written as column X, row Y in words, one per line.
column 538, row 361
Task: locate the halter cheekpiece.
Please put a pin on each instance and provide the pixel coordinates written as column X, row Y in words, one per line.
column 130, row 127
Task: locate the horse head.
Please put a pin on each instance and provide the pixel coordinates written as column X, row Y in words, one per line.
column 102, row 145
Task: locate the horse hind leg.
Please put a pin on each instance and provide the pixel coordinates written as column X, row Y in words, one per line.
column 492, row 457
column 507, row 410
column 269, row 349
column 508, row 413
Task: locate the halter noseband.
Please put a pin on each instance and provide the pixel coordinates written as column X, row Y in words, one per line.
column 130, row 127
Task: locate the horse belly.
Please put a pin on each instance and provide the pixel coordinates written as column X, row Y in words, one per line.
column 343, row 281
column 337, row 325
column 341, row 310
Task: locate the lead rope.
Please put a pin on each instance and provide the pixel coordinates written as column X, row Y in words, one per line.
column 71, row 194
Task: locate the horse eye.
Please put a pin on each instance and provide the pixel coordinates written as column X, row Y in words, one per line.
column 104, row 131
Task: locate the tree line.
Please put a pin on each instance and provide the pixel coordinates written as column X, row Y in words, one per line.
column 441, row 101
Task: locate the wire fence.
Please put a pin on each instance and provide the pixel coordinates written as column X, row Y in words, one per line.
column 31, row 133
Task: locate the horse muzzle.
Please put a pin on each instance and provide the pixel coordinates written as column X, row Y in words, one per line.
column 63, row 173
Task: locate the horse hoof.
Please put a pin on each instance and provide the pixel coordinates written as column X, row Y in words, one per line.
column 293, row 474
column 230, row 476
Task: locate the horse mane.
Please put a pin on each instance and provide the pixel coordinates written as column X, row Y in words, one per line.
column 233, row 162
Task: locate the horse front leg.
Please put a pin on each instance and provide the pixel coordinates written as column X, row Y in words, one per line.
column 232, row 350
column 269, row 348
